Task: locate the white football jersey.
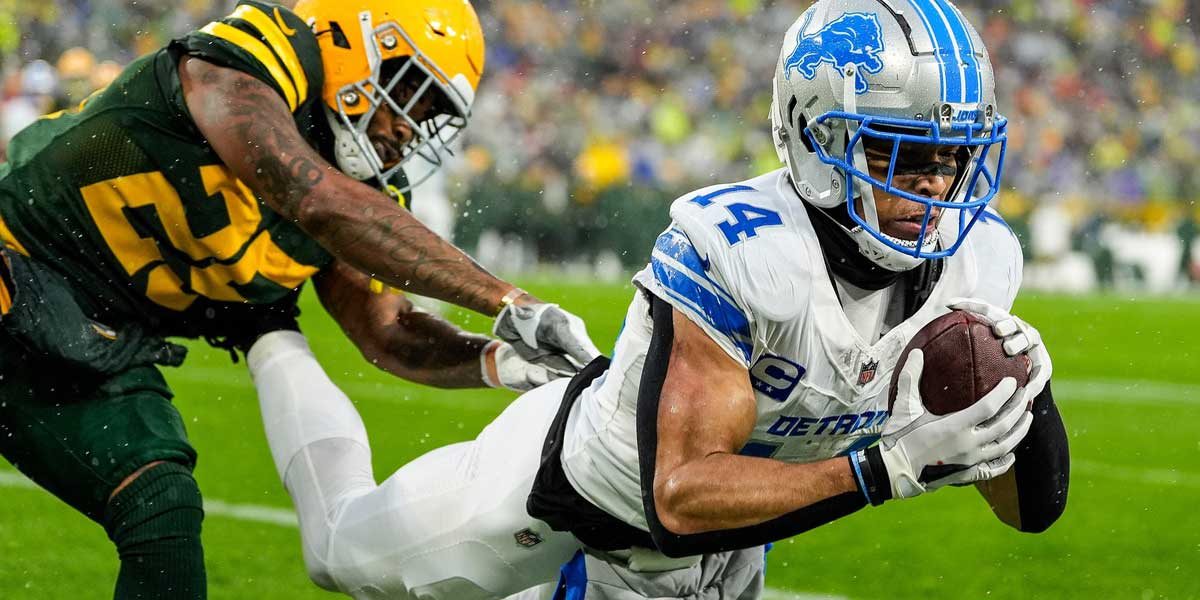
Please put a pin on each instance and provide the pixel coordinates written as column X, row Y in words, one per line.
column 743, row 262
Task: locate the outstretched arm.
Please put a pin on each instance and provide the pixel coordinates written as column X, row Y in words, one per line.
column 396, row 337
column 249, row 126
column 410, row 343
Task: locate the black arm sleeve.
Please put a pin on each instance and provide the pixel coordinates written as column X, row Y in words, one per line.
column 676, row 545
column 1043, row 467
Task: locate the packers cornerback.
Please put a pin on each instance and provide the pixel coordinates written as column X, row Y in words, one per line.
column 125, row 188
column 193, row 197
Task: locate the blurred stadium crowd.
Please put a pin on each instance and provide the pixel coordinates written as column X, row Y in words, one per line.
column 595, row 114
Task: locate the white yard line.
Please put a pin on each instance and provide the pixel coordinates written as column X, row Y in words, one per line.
column 1065, row 390
column 1068, row 390
column 257, row 513
column 285, row 518
column 775, row 594
column 1165, row 477
column 1129, row 391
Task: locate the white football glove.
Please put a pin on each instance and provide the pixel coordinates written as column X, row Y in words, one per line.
column 546, row 335
column 923, row 451
column 512, row 371
column 1018, row 337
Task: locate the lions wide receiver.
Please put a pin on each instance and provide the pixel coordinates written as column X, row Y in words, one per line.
column 746, row 400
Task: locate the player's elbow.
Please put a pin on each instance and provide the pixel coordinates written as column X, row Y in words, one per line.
column 671, row 508
column 1039, row 527
column 1035, row 514
column 1041, row 520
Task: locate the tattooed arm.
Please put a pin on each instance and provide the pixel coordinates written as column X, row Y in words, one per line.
column 250, row 128
column 397, row 338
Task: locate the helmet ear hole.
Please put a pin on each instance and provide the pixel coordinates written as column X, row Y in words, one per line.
column 339, row 37
column 801, row 125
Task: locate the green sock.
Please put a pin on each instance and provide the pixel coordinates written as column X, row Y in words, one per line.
column 155, row 524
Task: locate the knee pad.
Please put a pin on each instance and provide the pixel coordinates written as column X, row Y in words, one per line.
column 161, row 508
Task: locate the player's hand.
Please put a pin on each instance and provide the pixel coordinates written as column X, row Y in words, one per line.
column 546, row 335
column 923, row 451
column 503, row 367
column 1018, row 337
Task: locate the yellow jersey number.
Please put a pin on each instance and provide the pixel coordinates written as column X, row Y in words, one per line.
column 106, row 199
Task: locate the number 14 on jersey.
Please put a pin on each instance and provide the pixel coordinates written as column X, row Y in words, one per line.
column 747, row 218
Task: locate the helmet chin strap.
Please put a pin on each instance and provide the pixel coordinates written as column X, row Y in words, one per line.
column 880, row 254
column 352, row 150
column 348, row 151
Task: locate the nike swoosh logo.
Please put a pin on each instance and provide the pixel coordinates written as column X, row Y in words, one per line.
column 288, row 31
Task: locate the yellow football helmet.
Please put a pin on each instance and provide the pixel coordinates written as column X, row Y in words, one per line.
column 374, row 49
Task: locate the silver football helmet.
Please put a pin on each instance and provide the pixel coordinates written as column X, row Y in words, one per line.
column 891, row 72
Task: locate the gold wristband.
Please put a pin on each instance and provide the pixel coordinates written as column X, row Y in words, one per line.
column 511, row 297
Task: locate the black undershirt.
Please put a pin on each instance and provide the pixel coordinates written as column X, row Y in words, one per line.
column 845, row 262
column 841, row 252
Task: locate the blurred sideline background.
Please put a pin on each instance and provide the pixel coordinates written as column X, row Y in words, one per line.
column 593, row 116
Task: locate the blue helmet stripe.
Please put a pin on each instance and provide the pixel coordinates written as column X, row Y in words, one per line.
column 973, row 80
column 945, row 49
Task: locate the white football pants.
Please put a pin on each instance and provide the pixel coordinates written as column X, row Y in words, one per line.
column 449, row 525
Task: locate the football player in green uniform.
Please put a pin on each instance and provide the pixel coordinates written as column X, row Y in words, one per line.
column 193, row 197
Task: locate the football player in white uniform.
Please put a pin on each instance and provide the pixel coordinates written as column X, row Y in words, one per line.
column 747, row 398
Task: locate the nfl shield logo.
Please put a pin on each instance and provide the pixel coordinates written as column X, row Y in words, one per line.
column 867, row 373
column 527, row 538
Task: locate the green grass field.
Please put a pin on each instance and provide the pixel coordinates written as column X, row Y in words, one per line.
column 1127, row 379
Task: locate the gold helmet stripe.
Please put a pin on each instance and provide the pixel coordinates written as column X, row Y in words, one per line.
column 277, row 38
column 259, row 51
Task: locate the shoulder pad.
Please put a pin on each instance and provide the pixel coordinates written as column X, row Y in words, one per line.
column 267, row 41
column 999, row 261
column 749, row 240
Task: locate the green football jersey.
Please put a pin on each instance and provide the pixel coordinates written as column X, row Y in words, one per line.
column 124, row 195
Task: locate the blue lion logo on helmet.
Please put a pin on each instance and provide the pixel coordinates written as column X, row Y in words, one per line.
column 854, row 39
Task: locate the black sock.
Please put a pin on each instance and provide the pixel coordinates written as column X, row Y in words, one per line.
column 155, row 524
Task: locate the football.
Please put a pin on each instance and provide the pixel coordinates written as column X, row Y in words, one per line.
column 964, row 360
